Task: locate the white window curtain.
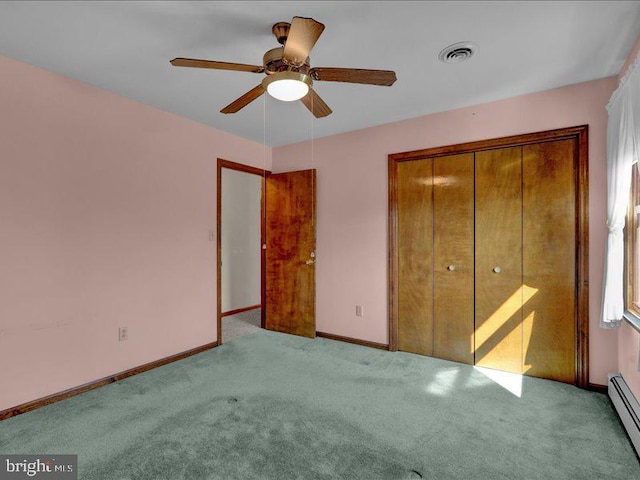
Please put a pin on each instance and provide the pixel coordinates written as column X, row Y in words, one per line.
column 623, row 149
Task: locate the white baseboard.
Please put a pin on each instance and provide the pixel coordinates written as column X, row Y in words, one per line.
column 627, row 407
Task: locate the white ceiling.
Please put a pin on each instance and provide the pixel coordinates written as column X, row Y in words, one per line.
column 125, row 47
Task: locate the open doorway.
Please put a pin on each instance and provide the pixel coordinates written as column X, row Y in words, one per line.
column 240, row 240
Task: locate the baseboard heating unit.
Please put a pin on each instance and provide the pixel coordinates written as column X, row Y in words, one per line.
column 627, row 407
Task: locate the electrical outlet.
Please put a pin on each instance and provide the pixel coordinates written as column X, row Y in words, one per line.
column 123, row 334
column 358, row 310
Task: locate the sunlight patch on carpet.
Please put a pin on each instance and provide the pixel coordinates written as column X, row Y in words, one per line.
column 444, row 382
column 512, row 382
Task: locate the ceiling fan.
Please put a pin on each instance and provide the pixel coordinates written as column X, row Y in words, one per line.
column 289, row 74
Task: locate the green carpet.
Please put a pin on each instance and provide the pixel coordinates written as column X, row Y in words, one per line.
column 273, row 406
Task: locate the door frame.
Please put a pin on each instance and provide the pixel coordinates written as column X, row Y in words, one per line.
column 239, row 167
column 581, row 166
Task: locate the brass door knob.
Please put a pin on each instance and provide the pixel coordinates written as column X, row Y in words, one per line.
column 310, row 262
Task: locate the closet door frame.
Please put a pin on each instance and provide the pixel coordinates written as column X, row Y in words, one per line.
column 581, row 164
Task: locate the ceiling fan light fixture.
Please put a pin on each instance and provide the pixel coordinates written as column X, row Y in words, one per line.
column 287, row 86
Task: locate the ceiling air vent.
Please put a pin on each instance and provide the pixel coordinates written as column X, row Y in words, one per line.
column 458, row 52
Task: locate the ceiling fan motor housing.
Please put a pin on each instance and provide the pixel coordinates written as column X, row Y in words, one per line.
column 274, row 63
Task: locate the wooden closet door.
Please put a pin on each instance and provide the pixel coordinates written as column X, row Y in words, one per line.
column 498, row 299
column 415, row 256
column 549, row 260
column 453, row 263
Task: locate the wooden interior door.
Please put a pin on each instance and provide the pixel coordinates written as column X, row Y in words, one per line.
column 415, row 255
column 549, row 260
column 499, row 293
column 290, row 253
column 453, row 257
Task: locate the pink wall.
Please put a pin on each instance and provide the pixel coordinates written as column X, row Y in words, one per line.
column 352, row 200
column 628, row 338
column 105, row 210
column 629, row 348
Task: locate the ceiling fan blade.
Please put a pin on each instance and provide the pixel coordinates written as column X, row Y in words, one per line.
column 315, row 104
column 244, row 100
column 195, row 63
column 303, row 35
column 354, row 75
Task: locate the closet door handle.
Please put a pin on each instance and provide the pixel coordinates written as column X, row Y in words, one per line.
column 497, row 269
column 451, row 267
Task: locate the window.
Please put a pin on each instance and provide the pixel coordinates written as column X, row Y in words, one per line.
column 633, row 245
